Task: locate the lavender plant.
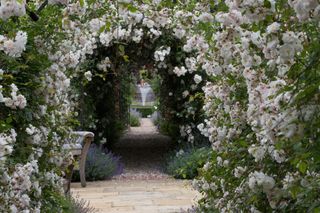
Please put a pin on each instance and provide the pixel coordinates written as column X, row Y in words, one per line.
column 101, row 164
column 78, row 205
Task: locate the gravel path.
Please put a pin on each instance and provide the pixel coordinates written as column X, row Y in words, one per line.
column 142, row 150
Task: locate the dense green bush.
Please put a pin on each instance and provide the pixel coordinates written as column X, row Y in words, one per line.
column 134, row 121
column 185, row 164
column 168, row 128
column 145, row 111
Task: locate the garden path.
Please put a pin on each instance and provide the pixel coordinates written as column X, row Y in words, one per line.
column 142, row 151
column 143, row 187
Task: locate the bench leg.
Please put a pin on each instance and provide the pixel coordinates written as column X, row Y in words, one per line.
column 68, row 178
column 83, row 159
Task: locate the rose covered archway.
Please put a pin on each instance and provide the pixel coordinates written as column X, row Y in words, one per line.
column 140, row 36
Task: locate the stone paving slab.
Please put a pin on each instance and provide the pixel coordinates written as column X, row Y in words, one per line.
column 138, row 196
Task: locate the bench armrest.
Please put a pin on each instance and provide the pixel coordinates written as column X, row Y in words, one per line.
column 82, row 135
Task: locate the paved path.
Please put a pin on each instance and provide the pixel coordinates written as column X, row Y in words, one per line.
column 138, row 196
column 143, row 187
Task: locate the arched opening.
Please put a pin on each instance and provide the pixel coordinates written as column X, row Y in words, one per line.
column 112, row 75
column 112, row 82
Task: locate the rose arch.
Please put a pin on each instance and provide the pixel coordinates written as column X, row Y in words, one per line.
column 132, row 37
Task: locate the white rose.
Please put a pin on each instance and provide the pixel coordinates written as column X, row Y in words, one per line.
column 197, row 78
column 88, row 75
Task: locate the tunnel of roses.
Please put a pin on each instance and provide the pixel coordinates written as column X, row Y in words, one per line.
column 104, row 91
column 242, row 75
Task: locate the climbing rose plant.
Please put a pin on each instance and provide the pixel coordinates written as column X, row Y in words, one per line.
column 34, row 111
column 256, row 63
column 262, row 107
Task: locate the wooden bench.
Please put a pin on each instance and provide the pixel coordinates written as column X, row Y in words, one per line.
column 79, row 152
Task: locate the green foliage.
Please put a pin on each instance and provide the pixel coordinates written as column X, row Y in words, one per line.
column 185, row 165
column 104, row 101
column 134, row 121
column 169, row 128
column 55, row 202
column 68, row 204
column 78, row 205
column 145, row 111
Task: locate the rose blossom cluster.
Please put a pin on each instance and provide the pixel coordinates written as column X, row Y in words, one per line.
column 9, row 8
column 15, row 101
column 160, row 54
column 20, row 187
column 6, row 145
column 14, row 47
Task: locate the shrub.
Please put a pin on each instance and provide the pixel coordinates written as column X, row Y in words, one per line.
column 145, row 111
column 185, row 164
column 101, row 165
column 77, row 205
column 168, row 128
column 134, row 121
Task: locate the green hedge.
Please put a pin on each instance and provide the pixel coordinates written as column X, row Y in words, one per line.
column 145, row 111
